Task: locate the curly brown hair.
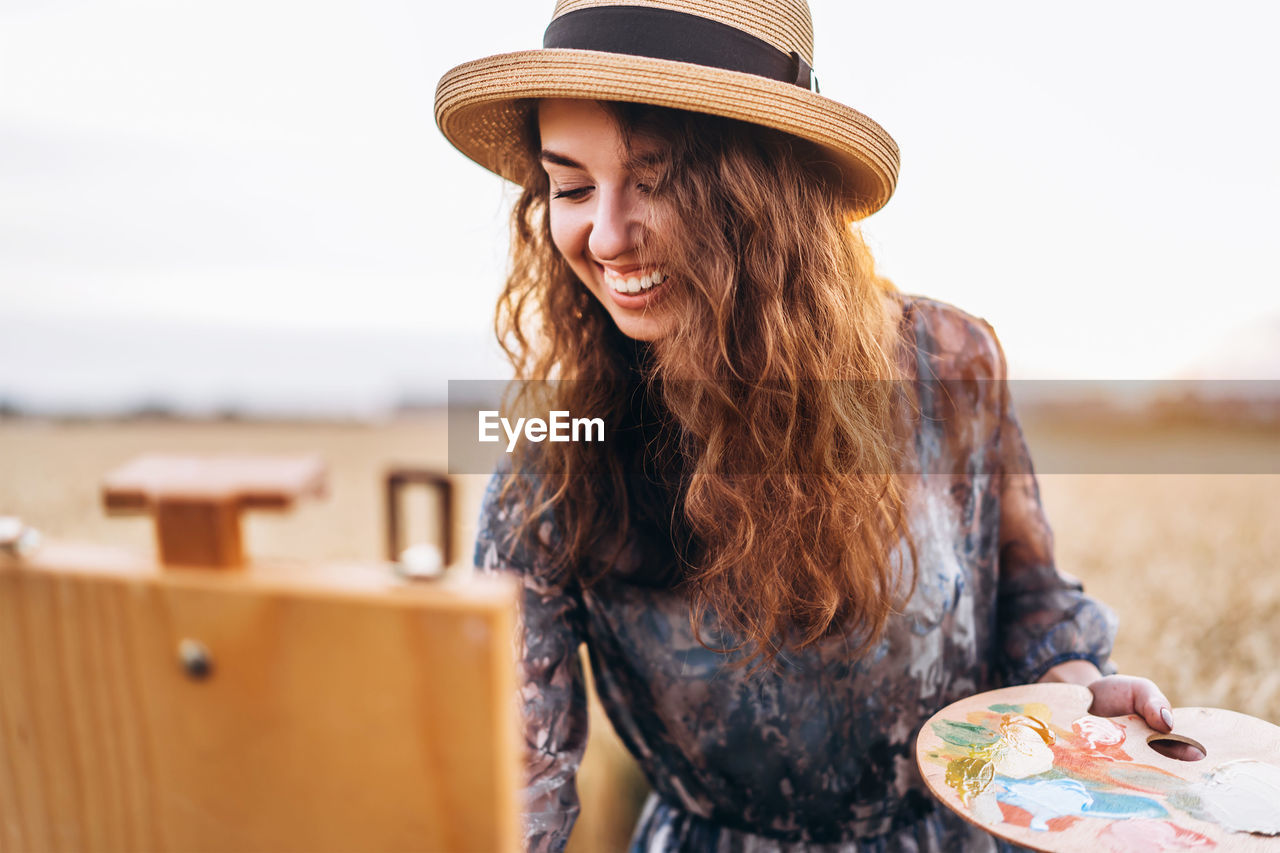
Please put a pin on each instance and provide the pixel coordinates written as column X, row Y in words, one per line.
column 764, row 434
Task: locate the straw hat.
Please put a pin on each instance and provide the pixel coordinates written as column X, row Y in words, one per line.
column 742, row 59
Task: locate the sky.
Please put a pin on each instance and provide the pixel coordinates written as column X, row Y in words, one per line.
column 243, row 202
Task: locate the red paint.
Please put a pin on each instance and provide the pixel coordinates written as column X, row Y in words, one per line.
column 1096, row 766
column 1151, row 836
column 1058, row 824
column 1015, row 815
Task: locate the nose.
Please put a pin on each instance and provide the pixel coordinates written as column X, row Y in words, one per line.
column 615, row 230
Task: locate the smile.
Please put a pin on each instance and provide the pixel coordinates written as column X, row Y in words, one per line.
column 623, row 283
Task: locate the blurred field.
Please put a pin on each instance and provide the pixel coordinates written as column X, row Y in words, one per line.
column 1190, row 562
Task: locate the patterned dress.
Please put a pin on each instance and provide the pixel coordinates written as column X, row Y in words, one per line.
column 817, row 754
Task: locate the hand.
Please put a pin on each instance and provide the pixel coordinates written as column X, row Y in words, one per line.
column 1119, row 695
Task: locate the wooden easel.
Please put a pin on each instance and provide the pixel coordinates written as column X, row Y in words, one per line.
column 204, row 701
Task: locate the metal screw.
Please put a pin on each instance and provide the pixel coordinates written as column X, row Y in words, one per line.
column 420, row 562
column 195, row 659
column 16, row 538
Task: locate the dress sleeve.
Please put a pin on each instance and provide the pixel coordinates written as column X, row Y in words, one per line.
column 551, row 690
column 1044, row 616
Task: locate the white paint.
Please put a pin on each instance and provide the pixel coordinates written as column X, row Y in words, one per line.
column 1243, row 796
column 1021, row 752
column 1098, row 731
column 986, row 808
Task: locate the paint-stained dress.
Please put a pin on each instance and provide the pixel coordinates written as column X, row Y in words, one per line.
column 816, row 755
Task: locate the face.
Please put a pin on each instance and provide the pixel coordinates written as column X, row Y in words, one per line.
column 600, row 213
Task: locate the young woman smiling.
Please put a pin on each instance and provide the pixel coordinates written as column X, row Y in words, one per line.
column 816, row 522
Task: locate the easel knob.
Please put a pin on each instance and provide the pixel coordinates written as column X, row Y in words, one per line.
column 197, row 500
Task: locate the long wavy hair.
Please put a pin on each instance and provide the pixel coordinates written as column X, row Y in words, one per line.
column 761, row 440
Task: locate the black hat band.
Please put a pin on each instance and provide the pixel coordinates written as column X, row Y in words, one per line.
column 679, row 37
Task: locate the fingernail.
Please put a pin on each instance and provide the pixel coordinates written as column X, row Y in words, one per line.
column 1167, row 716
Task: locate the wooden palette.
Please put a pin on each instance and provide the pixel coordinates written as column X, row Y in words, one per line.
column 1031, row 765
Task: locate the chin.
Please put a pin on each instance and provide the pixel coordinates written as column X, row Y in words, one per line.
column 644, row 330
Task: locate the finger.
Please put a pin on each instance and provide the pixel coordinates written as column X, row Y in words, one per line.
column 1187, row 752
column 1117, row 695
column 1154, row 707
column 1111, row 697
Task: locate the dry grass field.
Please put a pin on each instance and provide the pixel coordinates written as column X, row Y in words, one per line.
column 1190, row 562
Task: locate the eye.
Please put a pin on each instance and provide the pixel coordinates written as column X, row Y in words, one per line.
column 572, row 193
column 644, row 189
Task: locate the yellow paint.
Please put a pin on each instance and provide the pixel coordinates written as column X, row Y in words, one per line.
column 1037, row 711
column 969, row 775
column 1008, row 721
column 1022, row 750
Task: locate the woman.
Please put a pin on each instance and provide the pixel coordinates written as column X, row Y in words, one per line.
column 814, row 523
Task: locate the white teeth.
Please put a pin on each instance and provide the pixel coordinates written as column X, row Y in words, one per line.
column 634, row 284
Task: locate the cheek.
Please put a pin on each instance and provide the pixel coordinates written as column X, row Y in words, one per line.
column 567, row 233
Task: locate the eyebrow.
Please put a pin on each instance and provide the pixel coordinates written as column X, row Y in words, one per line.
column 549, row 156
column 647, row 160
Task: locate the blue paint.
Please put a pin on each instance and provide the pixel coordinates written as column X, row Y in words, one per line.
column 1047, row 799
column 1124, row 806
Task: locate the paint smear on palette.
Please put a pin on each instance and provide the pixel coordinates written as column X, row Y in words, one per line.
column 1151, row 836
column 1019, row 746
column 1051, row 798
column 1243, row 796
column 1009, row 756
column 1098, row 732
